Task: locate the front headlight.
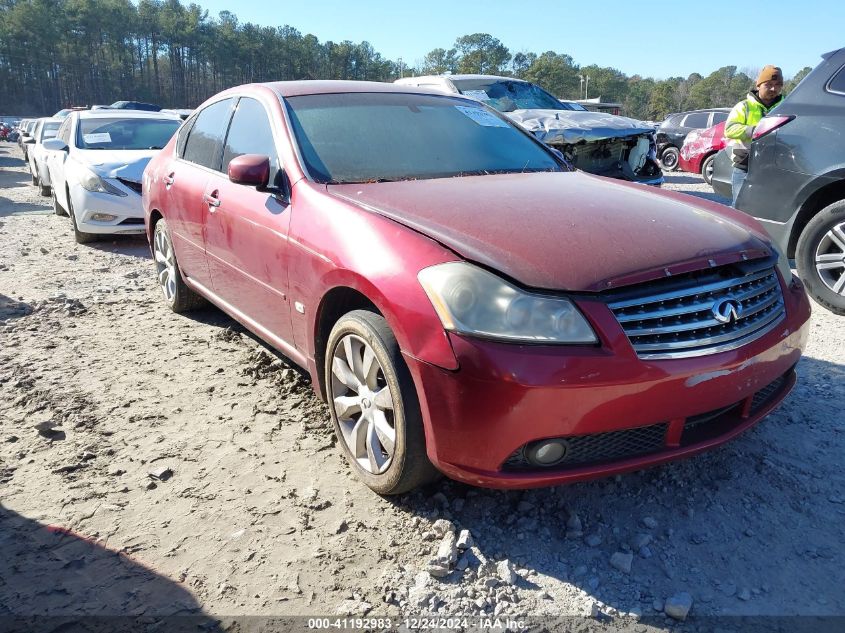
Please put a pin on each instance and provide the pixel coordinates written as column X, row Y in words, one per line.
column 783, row 265
column 92, row 182
column 470, row 300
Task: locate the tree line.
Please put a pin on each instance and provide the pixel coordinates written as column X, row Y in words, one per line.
column 60, row 53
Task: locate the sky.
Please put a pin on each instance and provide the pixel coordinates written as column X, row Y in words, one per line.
column 653, row 39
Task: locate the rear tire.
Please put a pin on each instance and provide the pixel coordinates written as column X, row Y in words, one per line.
column 669, row 158
column 707, row 169
column 177, row 295
column 45, row 190
column 374, row 405
column 820, row 257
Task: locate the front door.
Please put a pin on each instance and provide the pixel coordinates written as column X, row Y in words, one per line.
column 247, row 229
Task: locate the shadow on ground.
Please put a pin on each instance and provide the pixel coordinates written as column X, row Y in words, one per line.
column 52, row 579
column 129, row 245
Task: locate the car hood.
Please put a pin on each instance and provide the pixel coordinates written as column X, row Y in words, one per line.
column 570, row 126
column 128, row 164
column 564, row 231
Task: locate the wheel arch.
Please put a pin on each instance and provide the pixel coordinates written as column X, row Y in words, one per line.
column 815, row 202
column 334, row 304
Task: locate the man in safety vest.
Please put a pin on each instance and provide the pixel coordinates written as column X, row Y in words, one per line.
column 745, row 115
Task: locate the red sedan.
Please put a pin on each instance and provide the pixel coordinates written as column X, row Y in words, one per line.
column 699, row 150
column 464, row 301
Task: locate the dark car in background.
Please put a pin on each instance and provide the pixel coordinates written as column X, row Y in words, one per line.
column 673, row 131
column 134, row 105
column 796, row 179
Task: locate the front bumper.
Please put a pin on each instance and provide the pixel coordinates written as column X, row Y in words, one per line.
column 128, row 212
column 506, row 396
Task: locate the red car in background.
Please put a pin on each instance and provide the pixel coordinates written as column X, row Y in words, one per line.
column 700, row 149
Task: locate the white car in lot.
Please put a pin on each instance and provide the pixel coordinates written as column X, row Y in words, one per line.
column 36, row 155
column 96, row 163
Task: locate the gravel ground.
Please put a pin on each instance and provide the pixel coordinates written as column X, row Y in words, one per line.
column 155, row 464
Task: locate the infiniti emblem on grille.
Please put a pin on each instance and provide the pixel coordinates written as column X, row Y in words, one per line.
column 727, row 310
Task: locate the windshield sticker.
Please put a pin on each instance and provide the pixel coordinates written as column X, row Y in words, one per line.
column 482, row 117
column 476, row 94
column 102, row 137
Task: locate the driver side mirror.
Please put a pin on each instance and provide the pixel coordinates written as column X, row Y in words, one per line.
column 250, row 169
column 55, row 144
column 29, row 140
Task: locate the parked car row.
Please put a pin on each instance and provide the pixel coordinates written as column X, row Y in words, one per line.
column 367, row 232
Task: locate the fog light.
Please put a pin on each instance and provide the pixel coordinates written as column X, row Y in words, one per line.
column 547, row 452
column 103, row 217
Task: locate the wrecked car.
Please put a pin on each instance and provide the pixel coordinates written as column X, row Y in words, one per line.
column 597, row 142
column 619, row 327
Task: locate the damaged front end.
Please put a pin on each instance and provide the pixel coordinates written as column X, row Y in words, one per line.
column 598, row 143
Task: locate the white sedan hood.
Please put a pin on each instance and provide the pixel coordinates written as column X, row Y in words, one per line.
column 127, row 164
column 564, row 127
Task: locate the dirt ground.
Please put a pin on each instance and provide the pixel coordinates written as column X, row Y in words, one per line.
column 155, row 464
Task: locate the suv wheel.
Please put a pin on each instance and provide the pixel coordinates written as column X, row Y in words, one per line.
column 374, row 406
column 707, row 169
column 821, row 257
column 669, row 158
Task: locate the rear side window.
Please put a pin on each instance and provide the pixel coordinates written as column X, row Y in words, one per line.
column 250, row 133
column 719, row 117
column 697, row 119
column 837, row 84
column 205, row 140
column 64, row 131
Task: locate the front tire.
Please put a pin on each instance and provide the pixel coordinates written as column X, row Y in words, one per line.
column 79, row 236
column 669, row 158
column 177, row 295
column 57, row 208
column 374, row 406
column 820, row 257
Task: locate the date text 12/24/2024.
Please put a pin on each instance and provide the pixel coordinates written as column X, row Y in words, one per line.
column 417, row 623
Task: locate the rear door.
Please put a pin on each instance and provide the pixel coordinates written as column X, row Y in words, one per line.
column 247, row 228
column 199, row 151
column 56, row 163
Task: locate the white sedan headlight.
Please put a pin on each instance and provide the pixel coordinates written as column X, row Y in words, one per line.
column 92, row 182
column 470, row 300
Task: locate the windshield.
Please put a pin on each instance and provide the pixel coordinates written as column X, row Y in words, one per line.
column 373, row 137
column 571, row 105
column 507, row 96
column 115, row 133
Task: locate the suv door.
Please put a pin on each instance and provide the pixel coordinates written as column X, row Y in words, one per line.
column 199, row 151
column 247, row 227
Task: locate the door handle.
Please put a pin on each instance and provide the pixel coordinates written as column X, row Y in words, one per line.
column 168, row 180
column 211, row 200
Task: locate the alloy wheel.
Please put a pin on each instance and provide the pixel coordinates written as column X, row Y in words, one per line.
column 830, row 259
column 165, row 265
column 363, row 404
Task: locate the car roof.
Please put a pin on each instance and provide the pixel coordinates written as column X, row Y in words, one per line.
column 106, row 113
column 315, row 87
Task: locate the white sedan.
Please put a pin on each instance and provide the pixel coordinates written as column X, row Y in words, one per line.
column 36, row 155
column 96, row 163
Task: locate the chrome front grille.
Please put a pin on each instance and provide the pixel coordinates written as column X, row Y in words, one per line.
column 680, row 317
